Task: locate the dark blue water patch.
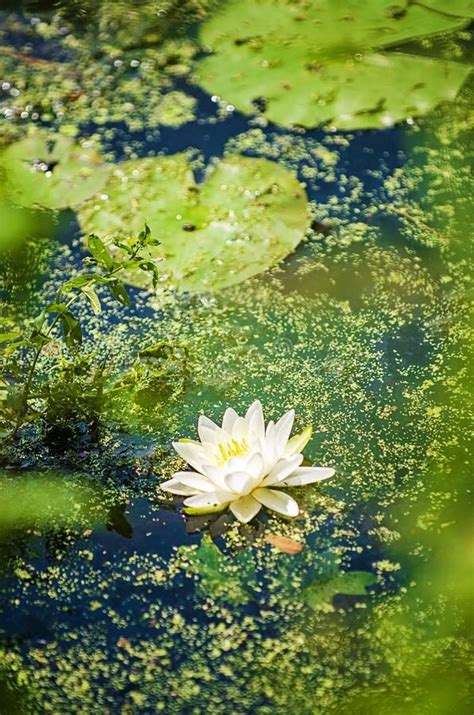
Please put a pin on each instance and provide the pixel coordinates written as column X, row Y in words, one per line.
column 140, row 527
column 206, row 137
column 152, row 531
column 392, row 231
column 209, row 133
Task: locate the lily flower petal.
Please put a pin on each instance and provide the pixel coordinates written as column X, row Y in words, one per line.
column 215, row 474
column 245, row 508
column 239, row 482
column 209, row 432
column 282, row 469
column 175, row 486
column 270, row 447
column 307, row 475
column 204, row 421
column 211, row 499
column 230, row 415
column 255, row 420
column 194, row 480
column 277, row 501
column 192, row 453
column 255, row 465
column 283, row 428
column 239, row 429
column 298, row 442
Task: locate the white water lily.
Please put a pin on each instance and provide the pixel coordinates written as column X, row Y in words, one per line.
column 243, row 464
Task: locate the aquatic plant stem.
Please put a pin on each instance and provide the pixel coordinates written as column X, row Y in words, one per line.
column 31, row 371
column 47, row 333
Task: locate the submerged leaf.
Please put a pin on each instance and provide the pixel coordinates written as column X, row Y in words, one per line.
column 219, row 577
column 353, row 583
column 320, row 62
column 247, row 216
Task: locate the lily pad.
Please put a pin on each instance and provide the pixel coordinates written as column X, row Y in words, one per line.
column 320, row 62
column 459, row 8
column 247, row 216
column 51, row 172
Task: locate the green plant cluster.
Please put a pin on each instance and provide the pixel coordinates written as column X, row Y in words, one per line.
column 60, row 320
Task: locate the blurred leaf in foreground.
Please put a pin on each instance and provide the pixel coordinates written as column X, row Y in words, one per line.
column 40, row 499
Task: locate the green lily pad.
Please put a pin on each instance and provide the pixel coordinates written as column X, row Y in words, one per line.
column 317, row 63
column 459, row 8
column 52, row 172
column 247, row 216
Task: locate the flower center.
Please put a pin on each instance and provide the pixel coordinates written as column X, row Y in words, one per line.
column 230, row 449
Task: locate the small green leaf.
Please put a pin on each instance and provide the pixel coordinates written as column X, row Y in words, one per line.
column 93, row 299
column 39, row 339
column 100, row 252
column 12, row 397
column 39, row 320
column 8, row 337
column 82, row 280
column 152, row 268
column 144, row 235
column 119, row 292
column 56, row 307
column 72, row 332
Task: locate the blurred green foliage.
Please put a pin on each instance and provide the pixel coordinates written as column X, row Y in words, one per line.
column 41, row 499
column 128, row 24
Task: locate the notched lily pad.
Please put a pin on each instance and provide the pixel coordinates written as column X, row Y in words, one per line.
column 52, row 172
column 321, row 62
column 247, row 216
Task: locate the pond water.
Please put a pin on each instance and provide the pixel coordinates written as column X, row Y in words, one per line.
column 342, row 291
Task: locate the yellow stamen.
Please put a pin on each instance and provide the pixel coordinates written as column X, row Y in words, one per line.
column 232, row 449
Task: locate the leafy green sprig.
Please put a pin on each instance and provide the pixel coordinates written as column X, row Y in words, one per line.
column 104, row 269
